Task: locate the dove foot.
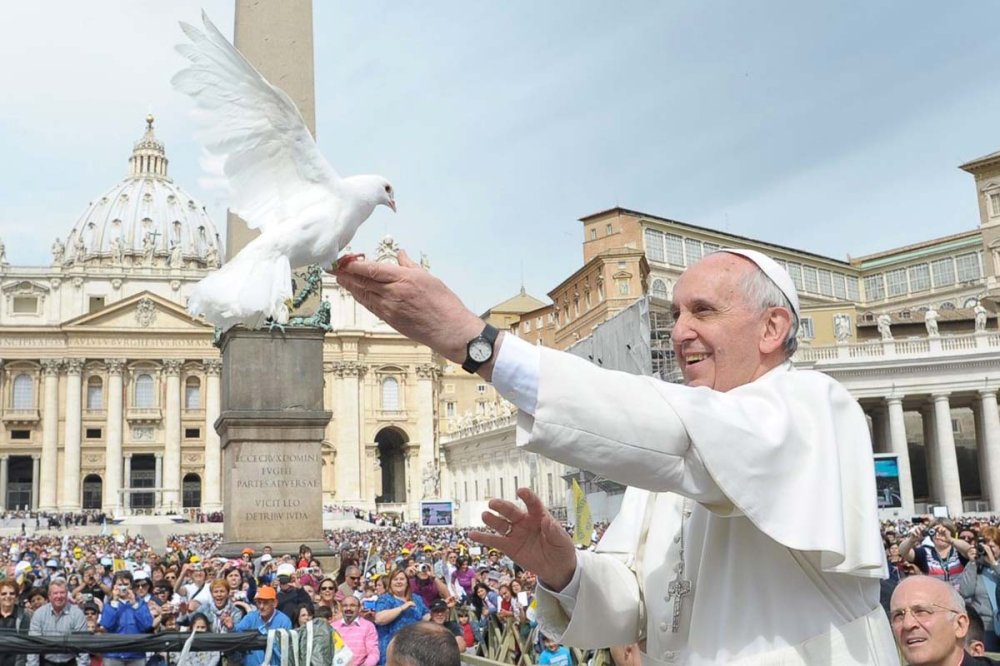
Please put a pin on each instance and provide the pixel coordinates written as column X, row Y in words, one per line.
column 273, row 324
column 346, row 260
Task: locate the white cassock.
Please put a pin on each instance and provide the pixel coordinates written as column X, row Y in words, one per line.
column 768, row 489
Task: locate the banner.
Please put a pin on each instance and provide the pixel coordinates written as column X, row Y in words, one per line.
column 584, row 523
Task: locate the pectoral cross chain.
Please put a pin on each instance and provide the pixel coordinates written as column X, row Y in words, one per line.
column 677, row 590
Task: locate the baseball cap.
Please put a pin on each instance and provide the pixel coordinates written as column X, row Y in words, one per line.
column 140, row 574
column 266, row 592
column 52, row 564
column 286, row 569
column 266, row 557
column 439, row 605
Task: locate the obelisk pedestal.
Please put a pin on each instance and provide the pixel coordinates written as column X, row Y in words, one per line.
column 271, row 426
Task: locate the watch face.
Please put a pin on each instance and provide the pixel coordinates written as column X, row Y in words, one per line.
column 480, row 350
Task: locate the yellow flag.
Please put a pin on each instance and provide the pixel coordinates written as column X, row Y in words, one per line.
column 584, row 523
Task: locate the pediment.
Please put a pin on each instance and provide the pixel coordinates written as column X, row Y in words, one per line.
column 26, row 287
column 143, row 312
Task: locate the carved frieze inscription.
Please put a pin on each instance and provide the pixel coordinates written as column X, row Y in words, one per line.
column 275, row 487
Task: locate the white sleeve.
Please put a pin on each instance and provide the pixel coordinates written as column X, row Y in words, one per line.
column 515, row 372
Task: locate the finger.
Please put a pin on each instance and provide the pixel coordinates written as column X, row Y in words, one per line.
column 507, row 510
column 490, row 540
column 405, row 261
column 497, row 523
column 532, row 502
column 380, row 271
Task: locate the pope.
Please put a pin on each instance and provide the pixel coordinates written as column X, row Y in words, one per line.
column 749, row 533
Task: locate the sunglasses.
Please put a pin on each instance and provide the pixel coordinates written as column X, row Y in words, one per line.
column 326, row 588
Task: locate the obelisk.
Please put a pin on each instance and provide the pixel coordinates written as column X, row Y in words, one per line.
column 272, row 418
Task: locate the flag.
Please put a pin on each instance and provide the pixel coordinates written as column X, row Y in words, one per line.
column 584, row 523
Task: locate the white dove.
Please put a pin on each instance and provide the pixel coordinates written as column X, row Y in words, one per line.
column 277, row 179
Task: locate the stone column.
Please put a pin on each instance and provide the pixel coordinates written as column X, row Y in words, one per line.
column 878, row 430
column 272, row 440
column 349, row 473
column 113, row 450
column 158, row 480
column 50, row 433
column 898, row 446
column 935, row 493
column 989, row 441
column 947, row 459
column 4, row 459
column 427, row 374
column 71, row 445
column 35, row 472
column 212, row 499
column 172, row 435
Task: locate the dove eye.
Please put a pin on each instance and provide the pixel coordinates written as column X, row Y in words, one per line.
column 388, row 189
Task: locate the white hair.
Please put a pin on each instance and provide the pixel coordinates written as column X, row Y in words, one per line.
column 762, row 293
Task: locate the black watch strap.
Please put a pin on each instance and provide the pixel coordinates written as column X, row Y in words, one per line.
column 489, row 334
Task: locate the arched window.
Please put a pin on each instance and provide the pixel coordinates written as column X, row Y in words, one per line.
column 390, row 394
column 144, row 391
column 95, row 393
column 92, row 488
column 192, row 393
column 24, row 392
column 191, row 496
column 947, row 305
column 659, row 289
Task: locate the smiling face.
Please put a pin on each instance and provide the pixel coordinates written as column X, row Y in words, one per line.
column 399, row 584
column 720, row 339
column 928, row 624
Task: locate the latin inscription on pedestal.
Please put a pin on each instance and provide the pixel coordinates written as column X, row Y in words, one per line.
column 270, row 484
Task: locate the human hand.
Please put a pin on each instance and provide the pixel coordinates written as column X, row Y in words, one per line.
column 531, row 537
column 414, row 302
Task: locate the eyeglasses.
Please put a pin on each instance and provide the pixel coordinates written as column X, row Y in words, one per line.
column 326, row 588
column 89, row 613
column 354, row 577
column 921, row 613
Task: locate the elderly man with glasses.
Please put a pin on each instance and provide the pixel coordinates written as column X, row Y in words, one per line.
column 352, row 586
column 58, row 618
column 930, row 624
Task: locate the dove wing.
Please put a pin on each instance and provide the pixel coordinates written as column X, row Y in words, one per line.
column 268, row 155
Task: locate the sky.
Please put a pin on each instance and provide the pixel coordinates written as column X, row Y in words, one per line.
column 835, row 128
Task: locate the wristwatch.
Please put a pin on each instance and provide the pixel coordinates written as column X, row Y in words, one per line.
column 480, row 349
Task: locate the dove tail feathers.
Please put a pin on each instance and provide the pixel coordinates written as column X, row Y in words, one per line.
column 246, row 290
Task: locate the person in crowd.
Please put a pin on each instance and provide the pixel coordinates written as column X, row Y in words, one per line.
column 509, row 609
column 352, row 585
column 201, row 624
column 290, row 593
column 358, row 633
column 978, row 586
column 483, row 601
column 930, row 624
column 469, row 633
column 704, row 459
column 303, row 616
column 265, row 618
column 429, row 588
column 975, row 644
column 935, row 550
column 35, row 598
column 440, row 612
column 464, row 575
column 554, row 653
column 327, row 594
column 395, row 610
column 423, row 644
column 223, row 614
column 192, row 586
column 14, row 619
column 58, row 617
column 241, row 585
column 125, row 613
column 90, row 584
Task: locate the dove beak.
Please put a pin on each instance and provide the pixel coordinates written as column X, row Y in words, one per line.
column 392, row 205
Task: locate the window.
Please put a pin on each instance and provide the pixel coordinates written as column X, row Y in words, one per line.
column 475, row 484
column 24, row 392
column 970, row 303
column 487, row 495
column 25, row 305
column 191, row 498
column 968, row 267
column 659, row 289
column 956, row 426
column 675, row 249
column 810, row 280
column 947, row 305
column 92, row 492
column 692, row 250
column 20, row 434
column 192, row 433
column 95, row 393
column 795, row 272
column 192, row 393
column 654, row 246
column 607, row 229
column 593, row 233
column 874, row 287
column 551, row 493
column 920, row 277
column 852, row 288
column 839, row 286
column 709, row 248
column 994, row 204
column 501, row 488
column 538, row 320
column 825, row 283
column 449, row 409
column 481, row 389
column 515, row 484
column 144, row 391
column 943, row 272
column 95, row 303
column 526, row 324
column 465, row 485
column 895, row 282
column 93, row 433
column 806, row 327
column 390, row 394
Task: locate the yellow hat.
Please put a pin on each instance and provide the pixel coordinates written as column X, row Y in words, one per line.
column 194, row 559
column 428, row 549
column 405, row 551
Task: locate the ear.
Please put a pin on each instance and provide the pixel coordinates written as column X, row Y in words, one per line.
column 961, row 626
column 777, row 324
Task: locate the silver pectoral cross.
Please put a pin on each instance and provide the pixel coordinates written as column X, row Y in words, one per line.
column 677, row 589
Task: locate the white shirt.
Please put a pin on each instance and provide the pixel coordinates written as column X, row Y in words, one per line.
column 782, row 543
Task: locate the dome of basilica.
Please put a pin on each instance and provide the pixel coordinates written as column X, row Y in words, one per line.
column 145, row 220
